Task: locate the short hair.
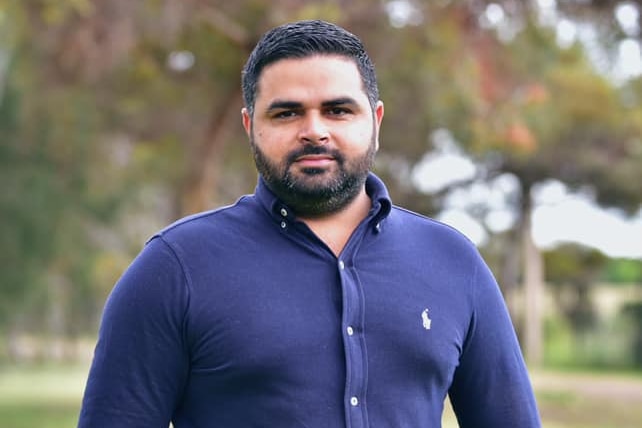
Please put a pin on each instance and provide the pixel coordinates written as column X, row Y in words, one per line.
column 303, row 39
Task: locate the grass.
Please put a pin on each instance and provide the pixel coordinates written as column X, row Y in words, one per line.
column 589, row 399
column 43, row 396
column 49, row 397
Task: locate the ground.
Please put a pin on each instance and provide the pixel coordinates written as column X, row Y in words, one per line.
column 589, row 399
column 49, row 397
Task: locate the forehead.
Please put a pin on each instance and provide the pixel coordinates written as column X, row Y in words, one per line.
column 311, row 77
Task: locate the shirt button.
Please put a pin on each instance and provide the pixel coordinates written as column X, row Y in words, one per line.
column 378, row 227
column 283, row 225
column 354, row 401
column 341, row 265
column 350, row 331
column 284, row 212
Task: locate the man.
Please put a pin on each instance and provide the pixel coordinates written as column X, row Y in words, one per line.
column 314, row 302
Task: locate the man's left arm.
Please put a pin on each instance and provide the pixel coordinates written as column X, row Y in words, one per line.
column 491, row 386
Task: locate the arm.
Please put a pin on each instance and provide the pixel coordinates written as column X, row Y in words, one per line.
column 491, row 387
column 141, row 362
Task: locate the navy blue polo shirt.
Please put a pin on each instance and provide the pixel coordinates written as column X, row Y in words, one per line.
column 242, row 317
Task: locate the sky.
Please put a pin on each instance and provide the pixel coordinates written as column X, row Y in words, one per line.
column 628, row 61
column 560, row 216
column 563, row 216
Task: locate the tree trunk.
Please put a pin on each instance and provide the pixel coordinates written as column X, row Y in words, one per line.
column 533, row 286
column 199, row 190
column 509, row 282
column 199, row 187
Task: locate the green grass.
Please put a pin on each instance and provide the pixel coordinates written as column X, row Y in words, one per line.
column 49, row 397
column 40, row 415
column 43, row 396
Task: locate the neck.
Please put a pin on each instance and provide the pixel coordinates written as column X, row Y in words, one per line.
column 334, row 229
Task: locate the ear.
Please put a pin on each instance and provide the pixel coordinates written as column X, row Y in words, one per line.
column 247, row 121
column 378, row 117
column 379, row 113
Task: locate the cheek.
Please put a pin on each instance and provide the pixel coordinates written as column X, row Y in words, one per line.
column 265, row 135
column 360, row 138
column 261, row 137
column 269, row 142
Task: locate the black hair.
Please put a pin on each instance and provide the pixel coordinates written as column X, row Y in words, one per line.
column 303, row 39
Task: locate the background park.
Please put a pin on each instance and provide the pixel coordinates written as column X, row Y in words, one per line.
column 517, row 121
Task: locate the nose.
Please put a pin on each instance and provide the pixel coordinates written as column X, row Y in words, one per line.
column 314, row 129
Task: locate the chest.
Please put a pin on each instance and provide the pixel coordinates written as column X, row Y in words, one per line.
column 277, row 315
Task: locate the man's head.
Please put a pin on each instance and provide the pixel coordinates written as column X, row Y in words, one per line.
column 312, row 122
column 303, row 39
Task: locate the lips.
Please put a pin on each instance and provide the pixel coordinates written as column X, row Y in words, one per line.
column 314, row 161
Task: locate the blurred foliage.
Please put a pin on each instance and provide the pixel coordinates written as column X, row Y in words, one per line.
column 574, row 264
column 623, row 271
column 118, row 117
column 578, row 336
column 633, row 311
column 572, row 270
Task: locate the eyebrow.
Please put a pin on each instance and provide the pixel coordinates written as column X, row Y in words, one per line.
column 288, row 105
column 284, row 105
column 339, row 101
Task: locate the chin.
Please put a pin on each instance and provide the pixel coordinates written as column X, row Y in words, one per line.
column 315, row 179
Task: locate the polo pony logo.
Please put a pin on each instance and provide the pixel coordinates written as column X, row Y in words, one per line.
column 427, row 322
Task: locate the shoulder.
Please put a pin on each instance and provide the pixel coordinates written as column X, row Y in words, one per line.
column 421, row 238
column 412, row 224
column 221, row 220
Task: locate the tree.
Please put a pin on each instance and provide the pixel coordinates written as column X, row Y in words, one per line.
column 555, row 117
column 47, row 178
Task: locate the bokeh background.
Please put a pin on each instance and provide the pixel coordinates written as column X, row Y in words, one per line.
column 518, row 122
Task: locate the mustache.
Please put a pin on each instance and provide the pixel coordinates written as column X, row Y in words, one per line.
column 313, row 150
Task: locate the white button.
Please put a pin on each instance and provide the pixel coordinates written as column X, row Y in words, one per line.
column 354, row 401
column 341, row 265
column 284, row 212
column 378, row 227
column 283, row 225
column 350, row 331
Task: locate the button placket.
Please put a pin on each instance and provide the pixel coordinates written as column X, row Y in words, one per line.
column 353, row 343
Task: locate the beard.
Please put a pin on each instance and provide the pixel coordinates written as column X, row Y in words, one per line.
column 314, row 192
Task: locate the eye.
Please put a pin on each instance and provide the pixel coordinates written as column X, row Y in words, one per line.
column 285, row 114
column 339, row 111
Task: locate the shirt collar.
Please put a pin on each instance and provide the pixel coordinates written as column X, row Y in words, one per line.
column 375, row 188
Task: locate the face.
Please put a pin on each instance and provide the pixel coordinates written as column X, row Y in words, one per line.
column 313, row 132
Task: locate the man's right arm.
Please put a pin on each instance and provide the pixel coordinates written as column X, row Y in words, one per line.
column 140, row 363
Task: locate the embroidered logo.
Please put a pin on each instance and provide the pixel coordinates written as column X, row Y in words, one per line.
column 427, row 322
